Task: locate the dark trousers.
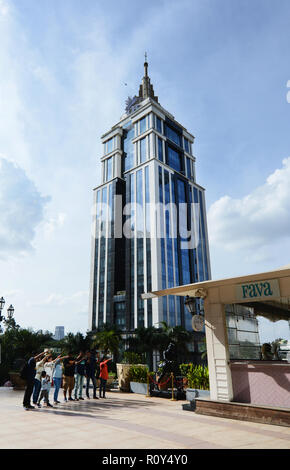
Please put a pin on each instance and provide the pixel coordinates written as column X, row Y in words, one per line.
column 28, row 392
column 93, row 379
column 102, row 386
column 44, row 396
column 36, row 390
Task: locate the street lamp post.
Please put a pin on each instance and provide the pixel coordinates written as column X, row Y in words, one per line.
column 10, row 312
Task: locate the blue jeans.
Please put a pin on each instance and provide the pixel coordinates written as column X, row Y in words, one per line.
column 57, row 384
column 36, row 390
column 79, row 381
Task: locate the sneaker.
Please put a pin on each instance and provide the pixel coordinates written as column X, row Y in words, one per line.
column 55, row 402
column 76, row 399
column 71, row 399
column 26, row 408
column 88, row 397
column 31, row 407
column 65, row 399
column 81, row 398
column 39, row 405
column 49, row 404
column 96, row 398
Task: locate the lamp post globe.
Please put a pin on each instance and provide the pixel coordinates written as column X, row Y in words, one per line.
column 10, row 312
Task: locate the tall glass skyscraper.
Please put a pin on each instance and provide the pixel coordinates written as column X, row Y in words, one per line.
column 146, row 207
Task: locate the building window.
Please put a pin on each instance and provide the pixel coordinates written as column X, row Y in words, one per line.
column 188, row 166
column 186, row 145
column 158, row 125
column 173, row 135
column 110, row 145
column 174, row 159
column 109, row 169
column 160, row 149
column 143, row 150
column 143, row 125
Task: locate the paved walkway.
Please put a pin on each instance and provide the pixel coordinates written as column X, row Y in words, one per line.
column 127, row 421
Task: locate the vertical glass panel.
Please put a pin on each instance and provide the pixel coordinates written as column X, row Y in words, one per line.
column 160, row 149
column 188, row 166
column 206, row 273
column 162, row 242
column 170, row 272
column 147, row 200
column 132, row 252
column 143, row 150
column 174, row 159
column 186, row 145
column 128, row 146
column 143, row 124
column 109, row 168
column 158, row 125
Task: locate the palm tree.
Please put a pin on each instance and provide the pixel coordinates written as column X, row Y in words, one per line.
column 107, row 339
column 75, row 343
column 144, row 342
column 177, row 335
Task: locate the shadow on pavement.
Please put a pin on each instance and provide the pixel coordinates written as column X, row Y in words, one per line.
column 83, row 408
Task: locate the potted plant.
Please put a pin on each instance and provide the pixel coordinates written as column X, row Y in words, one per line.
column 197, row 380
column 138, row 375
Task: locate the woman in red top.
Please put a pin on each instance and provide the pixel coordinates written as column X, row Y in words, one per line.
column 104, row 375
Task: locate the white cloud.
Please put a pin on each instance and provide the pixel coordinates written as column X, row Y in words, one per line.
column 50, row 226
column 21, row 209
column 4, row 8
column 259, row 219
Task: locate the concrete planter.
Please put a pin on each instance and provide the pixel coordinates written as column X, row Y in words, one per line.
column 123, row 377
column 138, row 387
column 192, row 393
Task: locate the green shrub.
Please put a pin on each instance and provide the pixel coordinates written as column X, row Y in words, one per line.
column 197, row 376
column 130, row 357
column 138, row 374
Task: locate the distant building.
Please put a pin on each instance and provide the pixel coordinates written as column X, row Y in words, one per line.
column 59, row 332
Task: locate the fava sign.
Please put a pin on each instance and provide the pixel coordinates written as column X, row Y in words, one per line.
column 258, row 290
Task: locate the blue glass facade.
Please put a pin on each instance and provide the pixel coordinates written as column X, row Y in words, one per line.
column 129, row 155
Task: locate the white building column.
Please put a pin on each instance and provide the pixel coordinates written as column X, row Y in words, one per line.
column 217, row 352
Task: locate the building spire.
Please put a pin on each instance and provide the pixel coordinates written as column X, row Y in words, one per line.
column 145, row 66
column 146, row 89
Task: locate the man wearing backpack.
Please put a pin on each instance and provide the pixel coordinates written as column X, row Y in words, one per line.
column 28, row 373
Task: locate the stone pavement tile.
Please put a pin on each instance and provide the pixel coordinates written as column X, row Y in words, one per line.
column 266, row 444
column 233, row 440
column 23, row 443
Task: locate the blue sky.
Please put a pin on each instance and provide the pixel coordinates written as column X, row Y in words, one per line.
column 221, row 67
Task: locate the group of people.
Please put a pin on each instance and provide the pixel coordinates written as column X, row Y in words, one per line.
column 67, row 371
